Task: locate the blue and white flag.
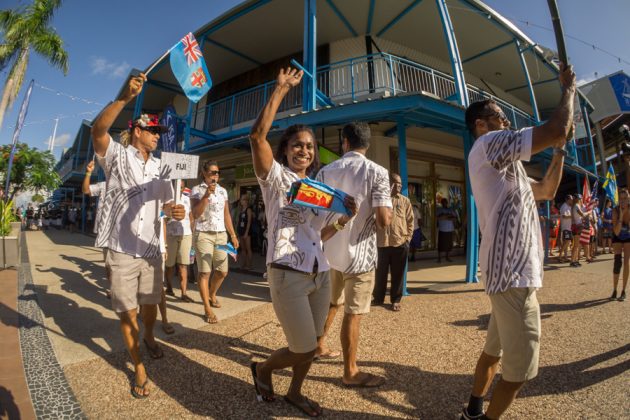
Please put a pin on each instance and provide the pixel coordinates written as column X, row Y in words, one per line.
column 189, row 68
column 610, row 186
column 16, row 132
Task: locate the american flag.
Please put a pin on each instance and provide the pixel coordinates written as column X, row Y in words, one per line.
column 589, row 198
column 191, row 49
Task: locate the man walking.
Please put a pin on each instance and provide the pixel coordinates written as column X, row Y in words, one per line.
column 130, row 225
column 393, row 247
column 446, row 218
column 511, row 254
column 566, row 236
column 211, row 209
column 352, row 252
column 178, row 244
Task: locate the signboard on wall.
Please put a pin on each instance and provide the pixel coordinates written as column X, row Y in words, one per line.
column 244, row 171
column 621, row 86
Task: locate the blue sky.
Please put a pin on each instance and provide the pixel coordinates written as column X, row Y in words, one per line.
column 106, row 39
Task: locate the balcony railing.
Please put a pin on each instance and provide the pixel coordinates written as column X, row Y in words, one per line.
column 351, row 80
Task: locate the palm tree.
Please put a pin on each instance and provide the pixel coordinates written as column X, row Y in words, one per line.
column 23, row 29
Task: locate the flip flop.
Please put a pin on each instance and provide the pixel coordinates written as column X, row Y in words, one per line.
column 369, row 381
column 155, row 352
column 327, row 356
column 215, row 303
column 135, row 393
column 187, row 299
column 211, row 319
column 168, row 329
column 170, row 292
column 258, row 385
column 308, row 407
column 396, row 307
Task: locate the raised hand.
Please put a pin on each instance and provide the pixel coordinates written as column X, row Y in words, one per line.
column 289, row 77
column 567, row 76
column 90, row 166
column 134, row 87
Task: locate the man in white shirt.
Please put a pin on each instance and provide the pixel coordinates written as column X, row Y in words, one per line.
column 211, row 209
column 130, row 228
column 178, row 244
column 352, row 252
column 566, row 236
column 511, row 253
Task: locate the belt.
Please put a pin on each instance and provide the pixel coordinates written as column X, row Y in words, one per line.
column 287, row 268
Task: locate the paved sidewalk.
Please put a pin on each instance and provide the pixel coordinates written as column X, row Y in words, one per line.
column 427, row 351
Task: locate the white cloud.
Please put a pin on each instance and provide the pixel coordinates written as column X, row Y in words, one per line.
column 101, row 65
column 62, row 140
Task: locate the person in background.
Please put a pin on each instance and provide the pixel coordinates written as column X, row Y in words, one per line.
column 418, row 237
column 566, row 233
column 577, row 225
column 621, row 243
column 554, row 227
column 446, row 226
column 607, row 226
column 244, row 224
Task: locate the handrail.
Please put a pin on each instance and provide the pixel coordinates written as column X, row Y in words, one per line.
column 351, row 79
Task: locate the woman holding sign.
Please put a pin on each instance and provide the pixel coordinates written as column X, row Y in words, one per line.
column 297, row 269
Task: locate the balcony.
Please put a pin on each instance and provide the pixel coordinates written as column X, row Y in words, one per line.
column 353, row 80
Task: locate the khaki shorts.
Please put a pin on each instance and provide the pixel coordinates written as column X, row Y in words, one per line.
column 514, row 333
column 301, row 303
column 353, row 290
column 178, row 249
column 205, row 254
column 134, row 281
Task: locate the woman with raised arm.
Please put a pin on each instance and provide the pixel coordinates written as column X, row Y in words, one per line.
column 297, row 269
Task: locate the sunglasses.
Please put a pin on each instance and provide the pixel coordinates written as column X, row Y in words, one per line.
column 500, row 114
column 212, row 173
column 152, row 130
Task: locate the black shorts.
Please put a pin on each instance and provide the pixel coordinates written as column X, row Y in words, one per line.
column 617, row 240
column 567, row 235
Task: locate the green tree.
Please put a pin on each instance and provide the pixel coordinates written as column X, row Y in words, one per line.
column 32, row 170
column 24, row 29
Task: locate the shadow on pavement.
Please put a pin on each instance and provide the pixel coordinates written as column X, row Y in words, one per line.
column 8, row 408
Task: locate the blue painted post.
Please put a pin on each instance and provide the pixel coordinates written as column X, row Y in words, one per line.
column 453, row 51
column 532, row 97
column 589, row 134
column 402, row 168
column 472, row 227
column 309, row 58
column 78, row 150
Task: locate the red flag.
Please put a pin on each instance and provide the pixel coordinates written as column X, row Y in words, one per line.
column 586, row 193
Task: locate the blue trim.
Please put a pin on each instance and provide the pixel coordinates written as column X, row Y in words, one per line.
column 404, row 177
column 453, row 51
column 370, row 16
column 532, row 96
column 232, row 18
column 188, row 121
column 555, row 79
column 397, row 18
column 481, row 54
column 587, row 125
column 319, row 95
column 233, row 51
column 78, row 150
column 472, row 241
column 309, row 56
column 341, row 17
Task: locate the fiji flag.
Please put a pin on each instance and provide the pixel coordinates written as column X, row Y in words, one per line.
column 610, row 186
column 190, row 68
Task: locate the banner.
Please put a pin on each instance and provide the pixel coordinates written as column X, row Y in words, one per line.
column 610, row 186
column 168, row 140
column 16, row 133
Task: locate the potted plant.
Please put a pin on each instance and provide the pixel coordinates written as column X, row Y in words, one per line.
column 9, row 236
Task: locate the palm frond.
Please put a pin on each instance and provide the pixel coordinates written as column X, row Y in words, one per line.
column 41, row 11
column 17, row 73
column 8, row 53
column 49, row 45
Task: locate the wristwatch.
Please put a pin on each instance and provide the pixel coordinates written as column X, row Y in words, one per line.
column 338, row 226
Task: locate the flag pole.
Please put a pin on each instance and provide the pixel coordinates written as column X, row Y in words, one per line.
column 152, row 66
column 557, row 29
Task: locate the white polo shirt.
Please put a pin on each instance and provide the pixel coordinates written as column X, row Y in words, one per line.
column 213, row 217
column 180, row 227
column 294, row 232
column 133, row 200
column 511, row 252
column 353, row 249
column 565, row 211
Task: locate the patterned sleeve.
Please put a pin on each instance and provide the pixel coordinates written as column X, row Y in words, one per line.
column 381, row 190
column 195, row 193
column 114, row 149
column 505, row 147
column 98, row 189
column 274, row 179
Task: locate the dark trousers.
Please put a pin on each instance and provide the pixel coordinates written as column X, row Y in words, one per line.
column 396, row 258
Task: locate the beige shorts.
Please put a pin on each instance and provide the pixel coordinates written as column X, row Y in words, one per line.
column 205, row 253
column 514, row 333
column 301, row 303
column 353, row 290
column 134, row 281
column 178, row 250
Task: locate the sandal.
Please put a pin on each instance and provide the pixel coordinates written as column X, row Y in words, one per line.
column 327, row 356
column 187, row 299
column 215, row 303
column 139, row 395
column 169, row 291
column 396, row 307
column 211, row 319
column 308, row 407
column 258, row 385
column 155, row 352
column 168, row 329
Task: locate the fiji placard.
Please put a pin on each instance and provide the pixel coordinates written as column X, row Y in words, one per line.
column 179, row 166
